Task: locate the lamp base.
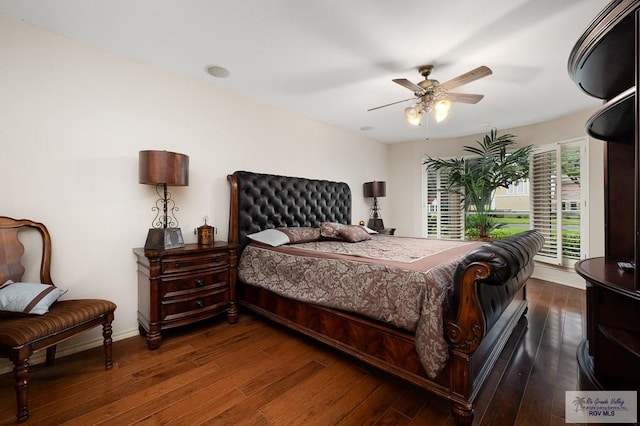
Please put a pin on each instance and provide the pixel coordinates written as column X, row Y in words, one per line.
column 164, row 239
column 376, row 224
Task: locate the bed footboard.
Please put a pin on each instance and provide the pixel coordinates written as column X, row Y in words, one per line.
column 489, row 297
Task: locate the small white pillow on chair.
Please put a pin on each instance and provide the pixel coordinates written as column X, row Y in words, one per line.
column 28, row 298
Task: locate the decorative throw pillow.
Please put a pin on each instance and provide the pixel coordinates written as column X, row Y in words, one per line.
column 280, row 236
column 350, row 233
column 301, row 234
column 28, row 298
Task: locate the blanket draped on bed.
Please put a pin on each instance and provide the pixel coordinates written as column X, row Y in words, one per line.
column 402, row 281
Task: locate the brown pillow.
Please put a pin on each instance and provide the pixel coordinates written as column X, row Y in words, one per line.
column 338, row 231
column 301, row 234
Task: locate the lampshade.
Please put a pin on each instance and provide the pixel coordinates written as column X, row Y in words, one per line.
column 374, row 189
column 163, row 167
column 441, row 109
column 413, row 114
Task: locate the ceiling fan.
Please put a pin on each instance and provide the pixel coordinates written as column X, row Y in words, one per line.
column 430, row 95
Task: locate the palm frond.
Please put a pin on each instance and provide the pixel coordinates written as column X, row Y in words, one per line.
column 493, row 164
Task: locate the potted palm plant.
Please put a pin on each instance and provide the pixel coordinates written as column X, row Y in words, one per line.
column 493, row 164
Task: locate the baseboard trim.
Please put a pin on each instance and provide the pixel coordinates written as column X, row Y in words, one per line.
column 67, row 348
column 559, row 275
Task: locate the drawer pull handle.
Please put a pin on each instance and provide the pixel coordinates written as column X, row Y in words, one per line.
column 177, row 266
column 199, row 304
column 199, row 282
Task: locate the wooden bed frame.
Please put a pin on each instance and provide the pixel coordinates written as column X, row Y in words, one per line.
column 488, row 300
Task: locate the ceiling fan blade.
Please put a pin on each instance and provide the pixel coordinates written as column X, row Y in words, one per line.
column 465, row 98
column 467, row 77
column 409, row 85
column 392, row 103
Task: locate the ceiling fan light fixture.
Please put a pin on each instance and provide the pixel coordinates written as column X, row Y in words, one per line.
column 441, row 109
column 430, row 94
column 413, row 115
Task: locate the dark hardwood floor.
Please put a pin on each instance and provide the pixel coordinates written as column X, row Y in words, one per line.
column 257, row 373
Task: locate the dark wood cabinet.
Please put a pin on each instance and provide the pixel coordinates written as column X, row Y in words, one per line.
column 180, row 286
column 610, row 356
column 604, row 64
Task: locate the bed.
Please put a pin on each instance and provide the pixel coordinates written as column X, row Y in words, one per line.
column 464, row 298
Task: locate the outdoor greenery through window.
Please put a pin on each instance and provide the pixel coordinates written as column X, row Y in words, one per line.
column 558, row 200
column 552, row 200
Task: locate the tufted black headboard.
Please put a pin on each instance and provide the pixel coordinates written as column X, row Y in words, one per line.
column 263, row 201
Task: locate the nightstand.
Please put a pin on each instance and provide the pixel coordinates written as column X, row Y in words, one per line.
column 181, row 286
column 387, row 231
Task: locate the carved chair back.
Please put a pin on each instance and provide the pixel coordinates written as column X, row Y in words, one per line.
column 12, row 250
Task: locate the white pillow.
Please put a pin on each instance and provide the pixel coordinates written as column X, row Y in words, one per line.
column 28, row 298
column 271, row 237
column 369, row 230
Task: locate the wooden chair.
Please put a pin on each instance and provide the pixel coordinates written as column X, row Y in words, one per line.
column 23, row 334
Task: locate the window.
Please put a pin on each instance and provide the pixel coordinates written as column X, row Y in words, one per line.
column 519, row 188
column 443, row 209
column 558, row 185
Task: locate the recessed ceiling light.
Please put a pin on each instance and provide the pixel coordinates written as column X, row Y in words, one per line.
column 366, row 128
column 218, row 71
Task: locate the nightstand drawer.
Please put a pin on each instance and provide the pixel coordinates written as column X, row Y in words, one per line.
column 202, row 303
column 191, row 263
column 180, row 285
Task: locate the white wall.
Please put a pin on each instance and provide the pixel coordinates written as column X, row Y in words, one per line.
column 73, row 120
column 404, row 189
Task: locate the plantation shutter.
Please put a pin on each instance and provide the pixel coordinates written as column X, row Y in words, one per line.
column 558, row 197
column 544, row 202
column 443, row 209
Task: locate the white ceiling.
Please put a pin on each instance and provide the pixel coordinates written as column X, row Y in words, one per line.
column 331, row 60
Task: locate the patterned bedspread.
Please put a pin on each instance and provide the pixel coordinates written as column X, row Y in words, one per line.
column 402, row 281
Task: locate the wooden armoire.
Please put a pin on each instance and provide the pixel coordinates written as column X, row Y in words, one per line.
column 605, row 63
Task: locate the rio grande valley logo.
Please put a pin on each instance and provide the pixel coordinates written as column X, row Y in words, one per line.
column 601, row 406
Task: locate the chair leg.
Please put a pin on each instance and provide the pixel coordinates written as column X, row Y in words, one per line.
column 106, row 334
column 20, row 369
column 51, row 355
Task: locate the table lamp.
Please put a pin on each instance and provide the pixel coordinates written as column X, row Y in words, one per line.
column 374, row 190
column 162, row 169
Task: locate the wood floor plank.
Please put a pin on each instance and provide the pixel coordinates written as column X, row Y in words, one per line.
column 185, row 398
column 306, row 393
column 288, row 378
column 325, row 399
column 348, row 401
column 212, row 405
column 410, row 401
column 373, row 407
column 137, row 393
column 197, row 410
column 436, row 411
column 392, row 417
column 73, row 403
column 536, row 405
